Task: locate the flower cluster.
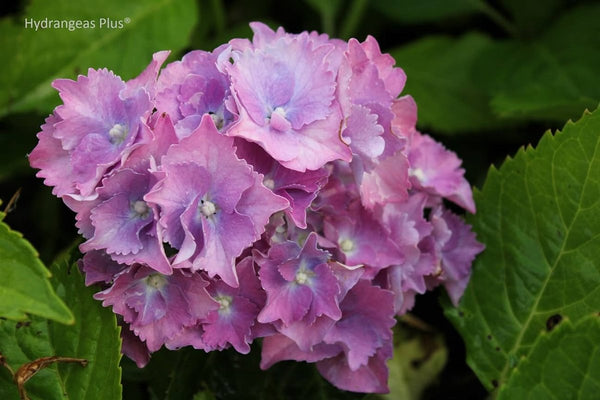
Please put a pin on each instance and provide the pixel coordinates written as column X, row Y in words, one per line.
column 275, row 188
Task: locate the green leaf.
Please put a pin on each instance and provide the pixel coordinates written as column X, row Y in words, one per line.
column 564, row 364
column 94, row 337
column 553, row 77
column 24, row 287
column 421, row 11
column 38, row 57
column 539, row 217
column 439, row 77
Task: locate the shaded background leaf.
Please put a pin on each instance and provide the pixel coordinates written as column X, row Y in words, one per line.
column 37, row 58
column 439, row 77
column 539, row 218
column 550, row 77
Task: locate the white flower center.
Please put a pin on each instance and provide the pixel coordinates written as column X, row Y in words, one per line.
column 269, row 183
column 347, row 245
column 156, row 281
column 141, row 209
column 280, row 111
column 302, row 276
column 207, row 208
column 224, row 302
column 217, row 119
column 278, row 120
column 117, row 133
column 417, row 173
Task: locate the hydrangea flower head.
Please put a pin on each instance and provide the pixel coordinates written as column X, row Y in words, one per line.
column 274, row 188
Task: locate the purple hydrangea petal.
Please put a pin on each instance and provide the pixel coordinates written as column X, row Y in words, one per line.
column 361, row 239
column 279, row 347
column 213, row 205
column 457, row 254
column 367, row 319
column 99, row 267
column 437, row 171
column 52, row 160
column 387, row 182
column 231, row 324
column 307, row 332
column 147, row 79
column 99, row 126
column 133, row 347
column 156, row 306
column 369, row 378
column 299, row 283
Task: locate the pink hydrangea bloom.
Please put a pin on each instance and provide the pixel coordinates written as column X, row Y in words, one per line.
column 274, row 188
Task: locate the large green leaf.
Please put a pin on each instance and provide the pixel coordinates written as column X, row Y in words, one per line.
column 552, row 77
column 439, row 77
column 565, row 364
column 539, row 217
column 24, row 286
column 94, row 337
column 34, row 58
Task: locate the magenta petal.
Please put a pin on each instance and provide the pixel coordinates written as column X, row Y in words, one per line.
column 279, row 348
column 307, row 333
column 117, row 226
column 369, row 378
column 52, row 160
column 224, row 240
column 147, row 79
column 387, row 182
column 286, row 301
column 231, row 324
column 437, row 171
column 133, row 347
column 367, row 319
column 99, row 267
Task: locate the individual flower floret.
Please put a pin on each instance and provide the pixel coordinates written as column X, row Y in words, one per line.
column 299, row 188
column 299, row 283
column 238, row 308
column 158, row 306
column 455, row 249
column 284, row 95
column 360, row 238
column 97, row 129
column 192, row 87
column 437, row 171
column 212, row 204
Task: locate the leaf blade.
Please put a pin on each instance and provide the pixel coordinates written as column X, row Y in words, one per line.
column 558, row 362
column 41, row 56
column 24, row 287
column 539, row 217
column 94, row 337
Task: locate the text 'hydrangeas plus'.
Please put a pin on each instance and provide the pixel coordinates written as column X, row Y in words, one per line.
column 275, row 188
